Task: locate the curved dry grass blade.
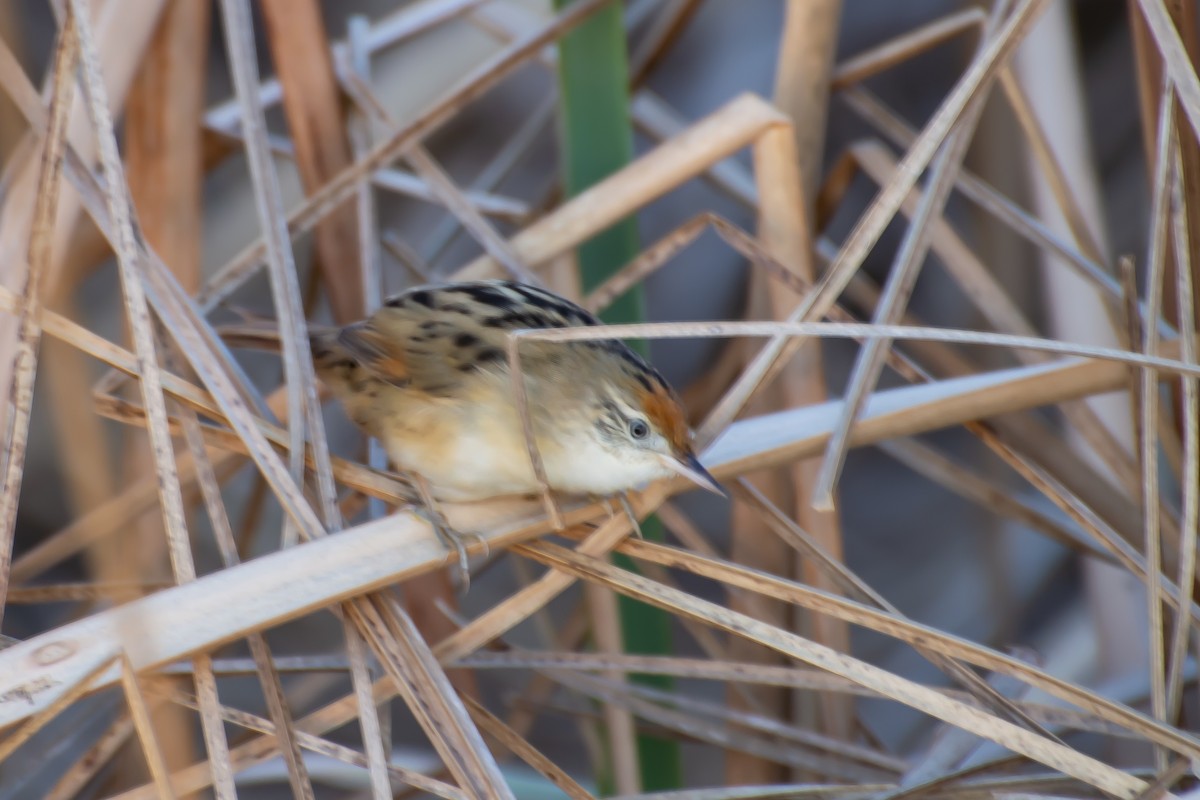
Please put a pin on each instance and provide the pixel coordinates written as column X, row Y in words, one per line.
column 696, row 711
column 883, row 57
column 901, row 280
column 744, row 672
column 139, row 712
column 782, row 791
column 368, row 715
column 913, row 633
column 316, row 744
column 1177, row 63
column 496, row 170
column 1161, row 217
column 1191, row 426
column 871, row 224
column 958, row 714
column 996, row 204
column 429, row 695
column 856, row 330
column 731, row 738
column 94, row 759
column 493, row 726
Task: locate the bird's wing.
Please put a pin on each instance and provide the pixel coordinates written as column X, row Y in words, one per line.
column 434, row 337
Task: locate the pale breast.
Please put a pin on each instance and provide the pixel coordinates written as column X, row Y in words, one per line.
column 463, row 454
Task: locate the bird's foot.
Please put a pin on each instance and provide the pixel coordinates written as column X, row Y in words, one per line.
column 454, row 541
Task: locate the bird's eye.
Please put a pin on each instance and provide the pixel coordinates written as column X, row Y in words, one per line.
column 639, row 429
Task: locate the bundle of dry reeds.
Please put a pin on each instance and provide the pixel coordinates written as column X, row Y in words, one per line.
column 219, row 589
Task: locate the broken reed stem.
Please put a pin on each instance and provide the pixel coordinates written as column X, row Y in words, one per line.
column 29, row 308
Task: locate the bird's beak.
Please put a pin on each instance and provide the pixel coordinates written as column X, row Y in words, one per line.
column 690, row 467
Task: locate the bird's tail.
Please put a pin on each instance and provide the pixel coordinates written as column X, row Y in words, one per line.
column 264, row 335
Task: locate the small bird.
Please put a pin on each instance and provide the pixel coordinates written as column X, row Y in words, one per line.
column 428, row 376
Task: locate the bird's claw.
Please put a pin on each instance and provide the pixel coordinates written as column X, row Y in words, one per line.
column 454, row 541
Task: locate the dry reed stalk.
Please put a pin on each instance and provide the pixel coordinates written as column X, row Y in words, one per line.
column 492, row 725
column 304, row 67
column 803, row 678
column 664, row 29
column 374, row 554
column 605, row 627
column 121, row 54
column 303, row 407
column 388, row 31
column 1028, row 227
column 1035, row 747
column 139, row 712
column 723, row 132
column 787, row 169
column 880, row 58
column 163, row 161
column 497, row 169
column 901, row 280
column 870, row 225
column 401, row 648
column 316, row 744
column 375, row 721
column 470, row 87
column 1164, row 175
column 23, row 362
column 170, row 493
column 1190, row 474
column 198, row 343
column 654, row 118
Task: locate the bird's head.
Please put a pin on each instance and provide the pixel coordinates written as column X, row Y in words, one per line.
column 643, row 423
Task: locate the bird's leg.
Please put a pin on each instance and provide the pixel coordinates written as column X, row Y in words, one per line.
column 450, row 537
column 623, row 497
